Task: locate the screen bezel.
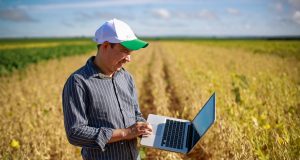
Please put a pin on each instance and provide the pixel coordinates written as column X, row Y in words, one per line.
column 212, row 96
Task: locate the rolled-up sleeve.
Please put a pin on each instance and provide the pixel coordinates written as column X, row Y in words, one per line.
column 78, row 132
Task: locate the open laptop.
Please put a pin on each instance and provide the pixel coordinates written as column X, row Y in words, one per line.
column 179, row 135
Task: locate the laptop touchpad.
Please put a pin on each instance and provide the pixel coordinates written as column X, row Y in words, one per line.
column 159, row 130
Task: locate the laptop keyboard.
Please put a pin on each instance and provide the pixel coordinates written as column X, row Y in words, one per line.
column 173, row 134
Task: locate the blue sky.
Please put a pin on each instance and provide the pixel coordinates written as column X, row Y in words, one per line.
column 61, row 18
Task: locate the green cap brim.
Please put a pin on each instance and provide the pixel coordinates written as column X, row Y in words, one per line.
column 135, row 44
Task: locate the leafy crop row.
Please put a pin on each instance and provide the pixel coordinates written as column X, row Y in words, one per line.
column 275, row 47
column 20, row 58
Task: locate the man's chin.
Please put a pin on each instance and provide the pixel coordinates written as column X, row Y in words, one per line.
column 118, row 69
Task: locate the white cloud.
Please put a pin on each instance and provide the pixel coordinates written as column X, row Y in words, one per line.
column 278, row 7
column 181, row 15
column 161, row 13
column 81, row 5
column 233, row 11
column 296, row 17
column 16, row 15
column 67, row 24
column 206, row 14
column 83, row 16
column 247, row 26
column 295, row 3
column 94, row 4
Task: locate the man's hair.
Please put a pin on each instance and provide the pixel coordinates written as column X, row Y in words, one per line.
column 111, row 45
column 98, row 46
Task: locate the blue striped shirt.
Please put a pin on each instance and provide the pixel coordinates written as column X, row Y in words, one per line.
column 94, row 105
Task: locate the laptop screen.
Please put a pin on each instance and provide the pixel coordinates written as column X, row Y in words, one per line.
column 206, row 117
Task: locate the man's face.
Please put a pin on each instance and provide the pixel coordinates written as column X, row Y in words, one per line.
column 116, row 56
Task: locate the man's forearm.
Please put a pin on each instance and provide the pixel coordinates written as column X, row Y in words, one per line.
column 118, row 135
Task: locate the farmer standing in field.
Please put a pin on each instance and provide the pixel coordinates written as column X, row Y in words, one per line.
column 100, row 106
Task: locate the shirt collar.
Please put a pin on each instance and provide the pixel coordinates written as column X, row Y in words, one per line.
column 95, row 71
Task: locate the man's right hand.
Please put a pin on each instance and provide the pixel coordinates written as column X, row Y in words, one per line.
column 138, row 129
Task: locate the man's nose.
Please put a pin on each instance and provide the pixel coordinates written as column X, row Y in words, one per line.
column 127, row 58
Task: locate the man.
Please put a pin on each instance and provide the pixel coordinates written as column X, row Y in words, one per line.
column 101, row 111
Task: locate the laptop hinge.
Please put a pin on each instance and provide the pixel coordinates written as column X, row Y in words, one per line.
column 189, row 136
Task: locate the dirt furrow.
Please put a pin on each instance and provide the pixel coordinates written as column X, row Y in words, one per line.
column 146, row 97
column 175, row 105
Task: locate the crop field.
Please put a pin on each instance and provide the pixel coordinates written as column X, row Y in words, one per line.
column 257, row 83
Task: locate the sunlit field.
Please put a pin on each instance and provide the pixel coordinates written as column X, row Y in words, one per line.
column 257, row 83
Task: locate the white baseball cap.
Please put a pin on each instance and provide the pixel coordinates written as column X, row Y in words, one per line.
column 116, row 31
